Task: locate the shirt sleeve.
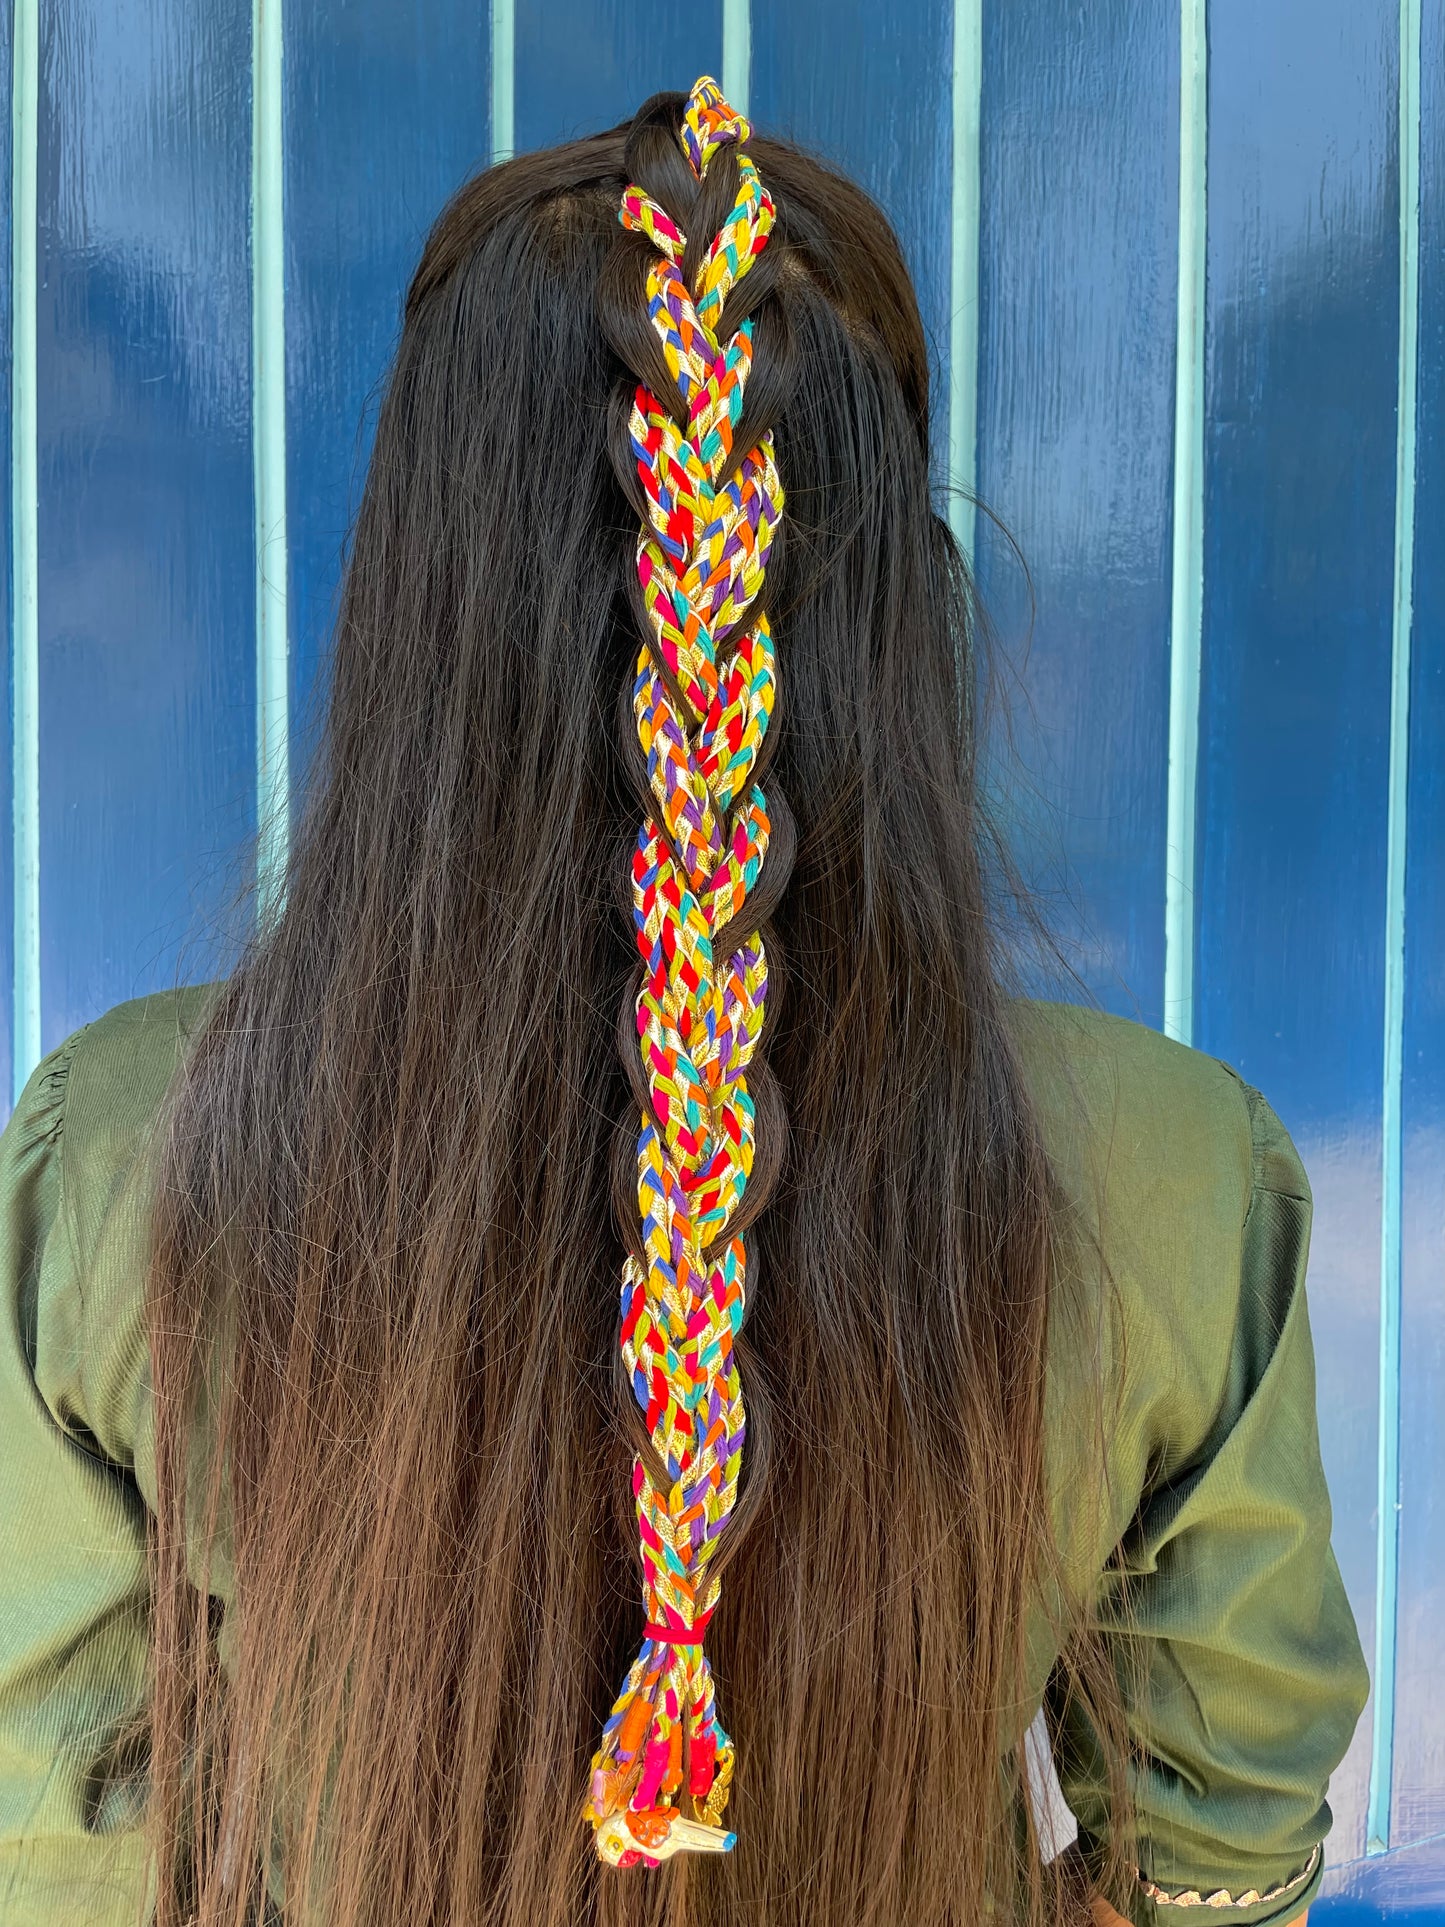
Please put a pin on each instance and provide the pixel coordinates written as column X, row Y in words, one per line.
column 1241, row 1665
column 74, row 1599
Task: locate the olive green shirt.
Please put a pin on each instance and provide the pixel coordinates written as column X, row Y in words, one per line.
column 1215, row 1514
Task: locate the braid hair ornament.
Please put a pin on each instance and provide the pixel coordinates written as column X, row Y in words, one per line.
column 701, row 557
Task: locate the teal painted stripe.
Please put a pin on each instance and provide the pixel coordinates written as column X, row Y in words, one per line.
column 504, row 79
column 24, row 544
column 268, row 374
column 1186, row 617
column 737, row 54
column 963, row 272
column 1387, row 1566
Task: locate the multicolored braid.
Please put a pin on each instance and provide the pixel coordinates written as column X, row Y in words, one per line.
column 702, row 699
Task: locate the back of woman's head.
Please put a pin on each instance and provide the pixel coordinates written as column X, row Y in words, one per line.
column 401, row 1186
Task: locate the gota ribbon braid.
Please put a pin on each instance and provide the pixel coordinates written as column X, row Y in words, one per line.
column 701, row 558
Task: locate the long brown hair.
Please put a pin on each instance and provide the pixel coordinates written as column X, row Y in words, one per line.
column 393, row 1431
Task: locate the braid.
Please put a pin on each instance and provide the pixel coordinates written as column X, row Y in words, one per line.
column 701, row 701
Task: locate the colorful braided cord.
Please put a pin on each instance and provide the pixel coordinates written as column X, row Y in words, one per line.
column 701, row 557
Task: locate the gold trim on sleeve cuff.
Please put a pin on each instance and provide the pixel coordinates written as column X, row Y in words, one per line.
column 1193, row 1898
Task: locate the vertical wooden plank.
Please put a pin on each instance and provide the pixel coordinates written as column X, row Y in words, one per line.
column 385, row 115
column 268, row 457
column 502, row 56
column 1419, row 1778
column 7, row 819
column 1186, row 611
column 1299, row 522
column 869, row 89
column 583, row 65
column 24, row 763
column 736, row 72
column 1078, row 283
column 1379, row 1833
column 147, row 737
column 965, row 217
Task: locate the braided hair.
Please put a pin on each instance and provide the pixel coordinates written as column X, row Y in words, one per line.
column 707, row 487
column 383, row 1289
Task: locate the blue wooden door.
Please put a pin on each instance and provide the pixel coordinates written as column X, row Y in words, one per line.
column 1183, row 271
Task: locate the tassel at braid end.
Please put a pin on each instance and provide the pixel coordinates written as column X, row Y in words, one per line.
column 655, row 1835
column 646, row 1836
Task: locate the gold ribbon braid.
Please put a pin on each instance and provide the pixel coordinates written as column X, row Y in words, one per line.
column 702, row 698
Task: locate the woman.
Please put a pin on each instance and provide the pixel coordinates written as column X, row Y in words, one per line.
column 961, row 1365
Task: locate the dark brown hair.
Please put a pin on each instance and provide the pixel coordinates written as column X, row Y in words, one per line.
column 393, row 1429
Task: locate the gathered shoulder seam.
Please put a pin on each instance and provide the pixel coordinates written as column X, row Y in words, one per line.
column 53, row 1078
